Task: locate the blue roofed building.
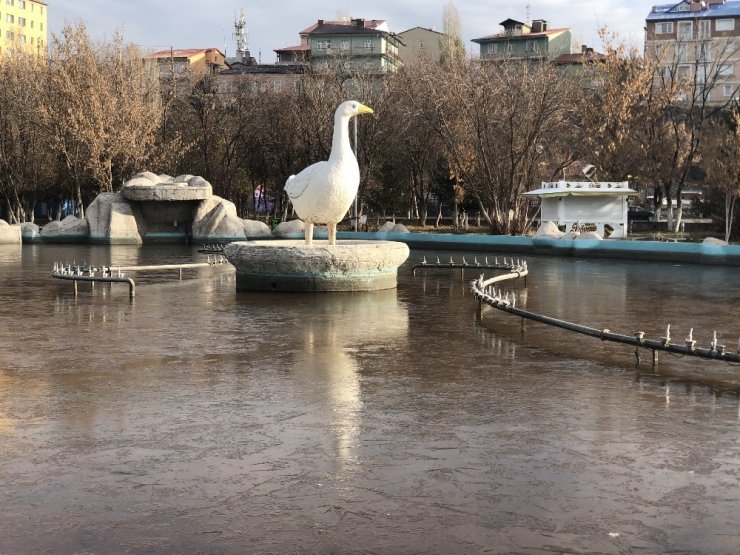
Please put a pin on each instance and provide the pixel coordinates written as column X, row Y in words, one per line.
column 698, row 41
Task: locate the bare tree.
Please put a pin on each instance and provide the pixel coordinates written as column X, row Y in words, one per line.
column 415, row 154
column 103, row 108
column 686, row 75
column 721, row 157
column 24, row 151
column 497, row 120
column 616, row 100
column 453, row 47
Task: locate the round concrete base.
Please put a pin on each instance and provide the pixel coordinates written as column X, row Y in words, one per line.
column 295, row 266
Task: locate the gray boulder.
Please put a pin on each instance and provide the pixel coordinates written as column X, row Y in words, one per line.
column 289, row 229
column 70, row 229
column 10, row 234
column 254, row 229
column 215, row 219
column 30, row 232
column 113, row 220
column 549, row 229
column 714, row 242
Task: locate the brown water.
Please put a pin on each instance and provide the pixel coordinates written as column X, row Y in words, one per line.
column 201, row 419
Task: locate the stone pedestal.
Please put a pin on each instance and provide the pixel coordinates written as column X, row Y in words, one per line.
column 295, row 266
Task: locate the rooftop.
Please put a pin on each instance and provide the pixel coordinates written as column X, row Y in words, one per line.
column 523, row 36
column 180, row 52
column 706, row 10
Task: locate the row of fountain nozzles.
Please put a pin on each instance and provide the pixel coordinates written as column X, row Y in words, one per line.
column 691, row 342
column 519, row 264
column 74, row 269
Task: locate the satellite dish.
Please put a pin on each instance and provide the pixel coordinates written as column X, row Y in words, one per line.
column 589, row 171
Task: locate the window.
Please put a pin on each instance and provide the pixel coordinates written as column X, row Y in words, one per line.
column 368, row 44
column 9, row 18
column 725, row 70
column 22, row 39
column 704, row 52
column 323, row 45
column 32, row 24
column 664, row 28
column 22, row 21
column 683, row 72
column 9, row 35
column 9, row 2
column 701, row 73
column 685, row 30
column 682, row 53
column 530, row 46
column 277, row 86
column 727, row 90
column 344, row 45
column 659, row 50
column 421, row 44
column 683, row 7
column 724, row 25
column 705, row 29
column 41, row 26
column 22, row 4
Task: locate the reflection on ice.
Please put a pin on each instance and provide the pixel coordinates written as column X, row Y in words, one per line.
column 340, row 324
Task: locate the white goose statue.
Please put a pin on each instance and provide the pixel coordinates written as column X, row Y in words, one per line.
column 323, row 192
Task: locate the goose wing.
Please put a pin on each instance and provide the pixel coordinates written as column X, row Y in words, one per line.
column 315, row 175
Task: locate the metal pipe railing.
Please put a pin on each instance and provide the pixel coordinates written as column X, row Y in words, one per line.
column 485, row 293
column 105, row 274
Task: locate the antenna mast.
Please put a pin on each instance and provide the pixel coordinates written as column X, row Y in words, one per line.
column 240, row 37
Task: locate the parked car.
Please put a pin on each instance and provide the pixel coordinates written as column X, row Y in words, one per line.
column 639, row 213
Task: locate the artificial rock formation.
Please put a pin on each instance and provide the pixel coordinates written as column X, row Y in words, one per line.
column 69, row 230
column 153, row 207
column 289, row 229
column 549, row 229
column 114, row 220
column 9, row 234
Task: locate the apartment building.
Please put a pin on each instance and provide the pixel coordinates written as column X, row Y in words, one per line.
column 358, row 43
column 192, row 61
column 520, row 40
column 698, row 40
column 260, row 78
column 420, row 43
column 23, row 27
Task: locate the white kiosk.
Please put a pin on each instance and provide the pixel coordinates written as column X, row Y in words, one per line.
column 599, row 206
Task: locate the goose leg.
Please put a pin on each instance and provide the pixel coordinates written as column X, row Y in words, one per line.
column 308, row 233
column 332, row 229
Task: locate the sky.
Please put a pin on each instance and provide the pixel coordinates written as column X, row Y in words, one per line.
column 160, row 24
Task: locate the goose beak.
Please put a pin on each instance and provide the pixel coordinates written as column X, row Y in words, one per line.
column 364, row 110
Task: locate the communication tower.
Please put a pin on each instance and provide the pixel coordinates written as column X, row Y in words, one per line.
column 240, row 36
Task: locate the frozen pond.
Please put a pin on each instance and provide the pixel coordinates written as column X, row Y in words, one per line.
column 200, row 419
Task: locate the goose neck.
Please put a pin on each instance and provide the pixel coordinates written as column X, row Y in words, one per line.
column 340, row 142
